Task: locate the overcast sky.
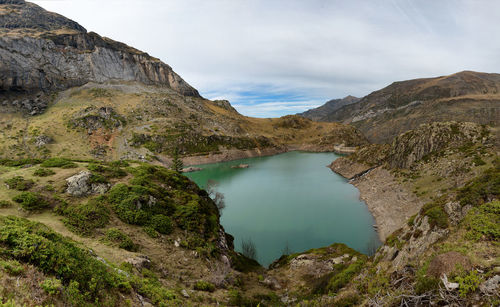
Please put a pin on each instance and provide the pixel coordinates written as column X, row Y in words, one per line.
column 276, row 57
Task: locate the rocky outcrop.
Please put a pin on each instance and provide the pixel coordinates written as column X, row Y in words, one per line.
column 35, row 59
column 416, row 144
column 92, row 119
column 81, row 185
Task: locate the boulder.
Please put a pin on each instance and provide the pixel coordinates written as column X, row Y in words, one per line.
column 80, row 185
column 140, row 262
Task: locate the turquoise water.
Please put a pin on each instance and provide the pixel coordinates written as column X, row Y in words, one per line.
column 289, row 199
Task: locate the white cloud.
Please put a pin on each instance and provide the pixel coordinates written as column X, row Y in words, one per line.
column 317, row 49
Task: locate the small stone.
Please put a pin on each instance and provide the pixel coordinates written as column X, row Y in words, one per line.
column 185, row 293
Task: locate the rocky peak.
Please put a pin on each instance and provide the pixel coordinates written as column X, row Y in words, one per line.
column 24, row 15
column 43, row 52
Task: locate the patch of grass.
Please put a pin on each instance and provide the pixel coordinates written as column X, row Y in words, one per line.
column 19, row 183
column 84, row 218
column 58, row 162
column 115, row 236
column 31, row 201
column 202, row 285
column 44, row 172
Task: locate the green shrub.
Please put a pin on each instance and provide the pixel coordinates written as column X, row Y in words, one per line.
column 44, row 172
column 85, row 218
column 19, row 183
column 437, row 217
column 483, row 188
column 425, row 283
column 162, row 224
column 58, row 162
column 484, row 222
column 5, row 204
column 34, row 243
column 51, row 286
column 21, row 162
column 31, row 201
column 114, row 235
column 468, row 283
column 341, row 279
column 435, row 212
column 112, row 171
column 202, row 285
column 13, row 267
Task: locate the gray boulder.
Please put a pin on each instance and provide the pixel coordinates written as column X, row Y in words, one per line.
column 80, row 185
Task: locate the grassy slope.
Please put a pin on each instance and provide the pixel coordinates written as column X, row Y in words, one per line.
column 163, row 115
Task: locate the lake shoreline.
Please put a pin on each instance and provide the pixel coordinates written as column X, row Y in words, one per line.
column 390, row 203
column 238, row 154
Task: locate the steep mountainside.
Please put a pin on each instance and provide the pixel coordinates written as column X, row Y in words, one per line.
column 384, row 114
column 42, row 52
column 321, row 113
column 76, row 94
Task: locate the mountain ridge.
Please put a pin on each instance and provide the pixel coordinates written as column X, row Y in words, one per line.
column 404, row 105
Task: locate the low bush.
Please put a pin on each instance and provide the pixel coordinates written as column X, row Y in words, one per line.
column 51, row 286
column 85, row 218
column 202, row 285
column 112, row 171
column 468, row 283
column 115, row 236
column 87, row 278
column 44, row 172
column 425, row 283
column 5, row 204
column 484, row 222
column 58, row 162
column 21, row 162
column 341, row 279
column 12, row 267
column 31, row 201
column 435, row 212
column 162, row 224
column 482, row 189
column 19, row 183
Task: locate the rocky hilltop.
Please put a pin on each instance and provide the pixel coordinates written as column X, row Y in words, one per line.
column 402, row 106
column 42, row 52
column 320, row 113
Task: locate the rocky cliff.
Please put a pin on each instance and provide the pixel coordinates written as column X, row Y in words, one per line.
column 42, row 52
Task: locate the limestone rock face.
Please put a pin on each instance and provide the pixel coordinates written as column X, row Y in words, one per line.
column 42, row 52
column 414, row 145
column 80, row 185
